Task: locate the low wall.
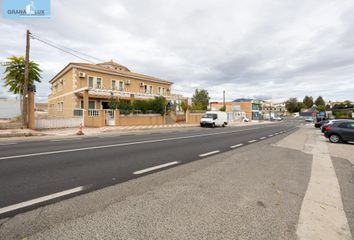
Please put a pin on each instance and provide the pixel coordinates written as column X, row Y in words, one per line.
column 94, row 121
column 144, row 119
column 57, row 123
column 178, row 117
column 193, row 118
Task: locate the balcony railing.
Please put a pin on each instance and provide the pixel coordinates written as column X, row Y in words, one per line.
column 93, row 113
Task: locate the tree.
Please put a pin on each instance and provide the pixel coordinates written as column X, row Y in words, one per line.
column 320, row 102
column 113, row 102
column 200, row 100
column 223, row 109
column 15, row 74
column 308, row 101
column 292, row 105
column 159, row 105
column 184, row 106
column 347, row 103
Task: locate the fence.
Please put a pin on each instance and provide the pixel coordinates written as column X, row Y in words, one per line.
column 58, row 123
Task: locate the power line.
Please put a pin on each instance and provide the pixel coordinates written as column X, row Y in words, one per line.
column 70, row 49
column 64, row 50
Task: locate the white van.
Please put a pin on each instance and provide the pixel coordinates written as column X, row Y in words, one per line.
column 213, row 119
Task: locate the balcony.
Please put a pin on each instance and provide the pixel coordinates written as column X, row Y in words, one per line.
column 106, row 93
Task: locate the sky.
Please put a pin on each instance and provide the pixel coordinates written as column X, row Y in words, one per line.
column 249, row 48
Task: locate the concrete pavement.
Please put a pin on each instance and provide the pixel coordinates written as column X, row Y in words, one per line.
column 322, row 213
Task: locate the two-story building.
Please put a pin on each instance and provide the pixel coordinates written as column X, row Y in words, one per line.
column 89, row 86
column 240, row 109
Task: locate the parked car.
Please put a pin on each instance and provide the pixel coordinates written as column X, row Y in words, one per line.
column 276, row 118
column 308, row 119
column 320, row 123
column 325, row 125
column 340, row 131
column 213, row 119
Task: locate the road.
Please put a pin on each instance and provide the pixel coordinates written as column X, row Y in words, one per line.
column 37, row 173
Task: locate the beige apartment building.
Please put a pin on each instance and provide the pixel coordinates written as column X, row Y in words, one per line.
column 89, row 86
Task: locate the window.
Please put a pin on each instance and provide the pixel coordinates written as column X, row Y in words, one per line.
column 347, row 125
column 91, row 105
column 60, row 106
column 95, row 82
column 114, row 84
column 161, row 91
column 148, row 89
column 121, row 86
column 90, row 82
column 99, row 83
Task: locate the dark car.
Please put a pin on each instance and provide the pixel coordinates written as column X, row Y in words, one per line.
column 325, row 125
column 340, row 131
column 320, row 123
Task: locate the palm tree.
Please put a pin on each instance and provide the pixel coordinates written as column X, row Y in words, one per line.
column 14, row 75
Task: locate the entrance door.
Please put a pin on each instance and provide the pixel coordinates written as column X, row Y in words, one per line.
column 105, row 105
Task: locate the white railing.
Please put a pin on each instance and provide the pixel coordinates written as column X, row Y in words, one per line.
column 93, row 113
column 58, row 123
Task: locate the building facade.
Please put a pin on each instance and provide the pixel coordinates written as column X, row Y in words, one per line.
column 271, row 109
column 90, row 86
column 240, row 109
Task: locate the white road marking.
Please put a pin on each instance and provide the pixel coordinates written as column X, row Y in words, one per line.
column 155, row 168
column 208, row 153
column 276, row 133
column 270, row 135
column 252, row 141
column 6, row 144
column 40, row 199
column 263, row 138
column 120, row 144
column 236, row 146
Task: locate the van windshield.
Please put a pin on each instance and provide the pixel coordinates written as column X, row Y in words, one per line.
column 210, row 115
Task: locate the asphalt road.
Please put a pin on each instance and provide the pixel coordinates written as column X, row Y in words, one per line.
column 36, row 173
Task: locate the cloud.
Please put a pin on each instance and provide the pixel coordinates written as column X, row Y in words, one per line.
column 270, row 48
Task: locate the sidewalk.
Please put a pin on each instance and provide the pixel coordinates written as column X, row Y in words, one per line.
column 95, row 131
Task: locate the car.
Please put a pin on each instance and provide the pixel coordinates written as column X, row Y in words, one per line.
column 320, row 123
column 325, row 125
column 276, row 118
column 213, row 119
column 340, row 131
column 308, row 119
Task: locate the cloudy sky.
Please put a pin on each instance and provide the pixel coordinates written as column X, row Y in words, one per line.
column 249, row 48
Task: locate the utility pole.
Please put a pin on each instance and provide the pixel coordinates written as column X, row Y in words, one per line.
column 25, row 87
column 223, row 98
